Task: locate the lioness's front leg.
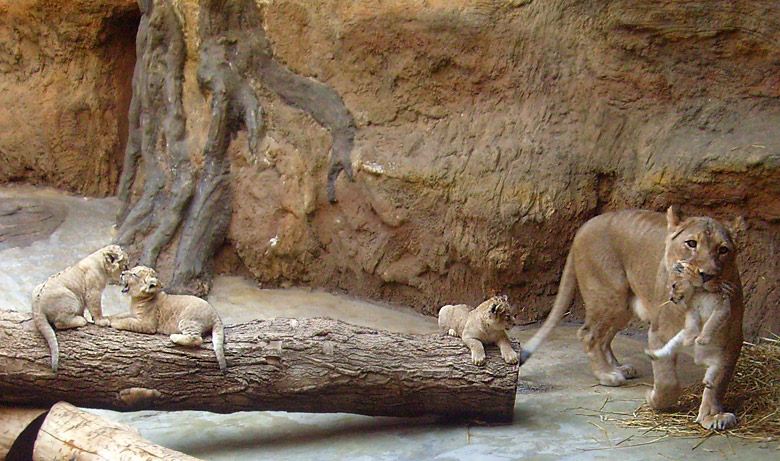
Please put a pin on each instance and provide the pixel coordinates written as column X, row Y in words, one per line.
column 133, row 324
column 477, row 350
column 666, row 386
column 719, row 371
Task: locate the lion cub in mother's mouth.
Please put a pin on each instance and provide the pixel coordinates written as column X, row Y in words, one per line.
column 183, row 317
column 486, row 324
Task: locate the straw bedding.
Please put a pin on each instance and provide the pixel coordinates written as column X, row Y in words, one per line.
column 753, row 395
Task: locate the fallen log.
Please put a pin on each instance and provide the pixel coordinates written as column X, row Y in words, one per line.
column 68, row 432
column 299, row 365
column 12, row 422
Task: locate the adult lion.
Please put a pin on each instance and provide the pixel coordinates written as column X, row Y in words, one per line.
column 622, row 262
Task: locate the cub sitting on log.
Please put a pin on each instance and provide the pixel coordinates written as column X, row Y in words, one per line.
column 487, row 324
column 62, row 298
column 183, row 317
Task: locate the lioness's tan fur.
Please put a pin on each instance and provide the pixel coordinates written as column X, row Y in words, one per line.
column 185, row 318
column 621, row 262
column 486, row 324
column 62, row 298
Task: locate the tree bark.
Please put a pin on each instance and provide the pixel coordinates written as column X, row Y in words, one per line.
column 68, row 432
column 301, row 365
column 178, row 195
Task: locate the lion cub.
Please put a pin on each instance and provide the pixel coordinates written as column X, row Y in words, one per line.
column 698, row 305
column 183, row 317
column 62, row 298
column 487, row 324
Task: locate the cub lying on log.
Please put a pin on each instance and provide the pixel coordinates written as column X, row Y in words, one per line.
column 62, row 298
column 487, row 324
column 183, row 317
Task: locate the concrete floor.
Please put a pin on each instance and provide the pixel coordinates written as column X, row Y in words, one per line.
column 558, row 410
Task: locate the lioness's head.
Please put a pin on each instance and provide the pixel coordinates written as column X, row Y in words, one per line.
column 115, row 259
column 141, row 281
column 697, row 249
column 500, row 313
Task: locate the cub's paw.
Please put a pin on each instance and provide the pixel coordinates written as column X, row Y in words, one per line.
column 703, row 340
column 509, row 357
column 718, row 422
column 452, row 332
column 478, row 359
column 102, row 322
column 651, row 353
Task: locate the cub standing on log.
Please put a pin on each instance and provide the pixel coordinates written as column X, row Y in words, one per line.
column 487, row 324
column 61, row 299
column 183, row 317
column 623, row 264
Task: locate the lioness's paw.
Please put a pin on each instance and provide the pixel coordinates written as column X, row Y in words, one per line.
column 452, row 332
column 510, row 357
column 629, row 372
column 719, row 422
column 703, row 340
column 478, row 359
column 613, row 378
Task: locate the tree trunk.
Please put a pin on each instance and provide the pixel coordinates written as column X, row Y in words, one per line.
column 302, row 365
column 71, row 433
column 178, row 198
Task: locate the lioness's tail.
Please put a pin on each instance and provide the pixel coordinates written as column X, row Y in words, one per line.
column 562, row 301
column 43, row 325
column 218, row 339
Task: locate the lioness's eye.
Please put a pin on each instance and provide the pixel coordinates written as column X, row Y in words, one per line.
column 723, row 250
column 691, row 243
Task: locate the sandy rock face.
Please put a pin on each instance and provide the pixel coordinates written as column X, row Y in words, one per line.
column 64, row 88
column 485, row 133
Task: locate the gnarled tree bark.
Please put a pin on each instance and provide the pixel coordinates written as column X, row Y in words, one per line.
column 302, row 365
column 177, row 198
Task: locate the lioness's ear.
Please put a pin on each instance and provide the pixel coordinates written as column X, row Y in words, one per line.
column 737, row 228
column 110, row 257
column 672, row 218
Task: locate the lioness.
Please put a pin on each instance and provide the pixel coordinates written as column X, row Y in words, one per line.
column 622, row 263
column 183, row 317
column 61, row 299
column 487, row 324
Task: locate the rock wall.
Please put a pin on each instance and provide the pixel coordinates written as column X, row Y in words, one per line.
column 485, row 133
column 65, row 69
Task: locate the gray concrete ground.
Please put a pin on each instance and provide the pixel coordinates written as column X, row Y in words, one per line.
column 560, row 413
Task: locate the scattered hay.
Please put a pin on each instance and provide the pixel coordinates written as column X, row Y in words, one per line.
column 753, row 395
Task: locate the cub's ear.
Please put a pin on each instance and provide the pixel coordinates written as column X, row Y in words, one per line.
column 151, row 286
column 672, row 218
column 496, row 308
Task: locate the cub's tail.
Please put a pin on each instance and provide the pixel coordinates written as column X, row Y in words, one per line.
column 43, row 325
column 218, row 339
column 563, row 300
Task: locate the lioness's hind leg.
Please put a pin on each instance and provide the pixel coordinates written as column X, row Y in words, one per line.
column 596, row 336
